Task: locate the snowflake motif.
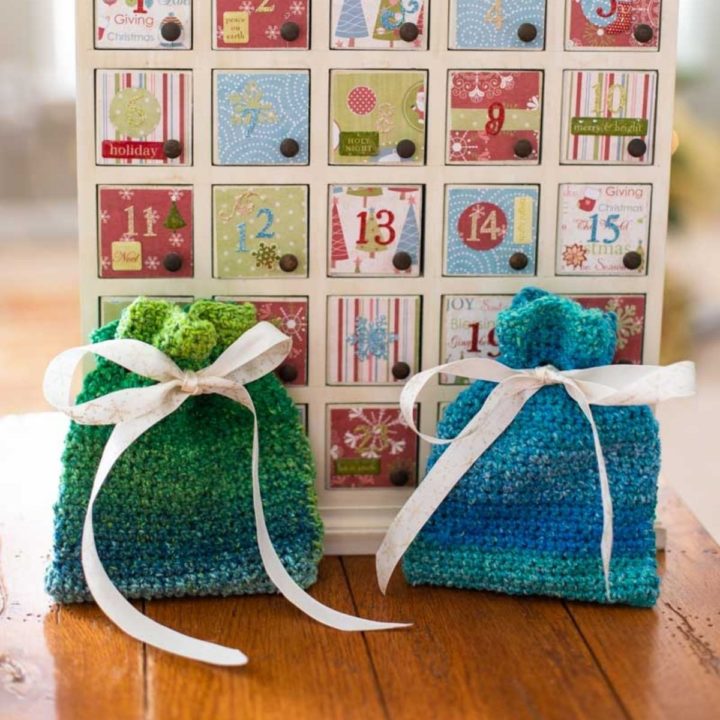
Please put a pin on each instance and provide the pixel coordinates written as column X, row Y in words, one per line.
column 628, row 323
column 378, row 432
column 104, row 217
column 152, row 263
column 176, row 195
column 176, row 239
column 533, row 103
column 272, row 32
column 105, row 262
column 574, row 256
column 219, row 33
column 151, row 215
column 294, row 324
column 249, row 108
column 371, row 338
column 266, row 255
column 247, row 6
column 297, row 7
column 464, row 146
column 126, row 194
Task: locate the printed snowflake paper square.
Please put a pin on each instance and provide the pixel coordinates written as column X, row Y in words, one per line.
column 261, row 24
column 262, row 117
column 491, row 229
column 372, row 340
column 260, row 231
column 379, row 24
column 375, row 230
column 494, row 116
column 603, row 229
column 613, row 24
column 370, row 446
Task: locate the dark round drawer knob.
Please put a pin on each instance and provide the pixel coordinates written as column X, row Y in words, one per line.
column 637, row 148
column 523, row 148
column 401, row 370
column 632, row 260
column 290, row 31
column 289, row 263
column 402, row 260
column 171, row 29
column 406, row 149
column 287, row 373
column 409, row 31
column 643, row 33
column 518, row 261
column 399, row 477
column 172, row 262
column 172, row 149
column 527, row 32
column 289, row 147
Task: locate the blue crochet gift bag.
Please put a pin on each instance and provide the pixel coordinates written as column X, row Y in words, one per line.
column 527, row 517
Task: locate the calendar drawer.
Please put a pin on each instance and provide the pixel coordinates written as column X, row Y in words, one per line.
column 370, row 446
column 375, row 230
column 145, row 231
column 372, row 340
column 377, row 117
column 491, row 229
column 261, row 24
column 379, row 24
column 143, row 25
column 261, row 117
column 144, row 117
column 260, row 231
column 603, row 229
column 111, row 307
column 497, row 24
column 609, row 117
column 494, row 116
column 613, row 24
column 289, row 314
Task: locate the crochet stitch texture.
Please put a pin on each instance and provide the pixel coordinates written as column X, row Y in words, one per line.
column 175, row 517
column 527, row 517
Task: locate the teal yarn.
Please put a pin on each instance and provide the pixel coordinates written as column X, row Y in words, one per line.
column 175, row 517
column 527, row 518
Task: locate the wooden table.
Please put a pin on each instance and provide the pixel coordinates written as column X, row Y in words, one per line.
column 469, row 654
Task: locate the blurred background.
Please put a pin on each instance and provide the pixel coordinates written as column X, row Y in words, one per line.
column 39, row 305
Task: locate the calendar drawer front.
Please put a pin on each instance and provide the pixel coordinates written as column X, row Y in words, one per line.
column 375, row 230
column 497, row 24
column 143, row 25
column 609, row 117
column 111, row 307
column 144, row 117
column 379, row 24
column 491, row 230
column 372, row 340
column 613, row 24
column 260, row 231
column 289, row 314
column 370, row 446
column 494, row 116
column 145, row 231
column 468, row 329
column 261, row 24
column 603, row 229
column 261, row 117
column 377, row 117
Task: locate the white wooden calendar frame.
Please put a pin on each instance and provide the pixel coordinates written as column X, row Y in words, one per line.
column 355, row 519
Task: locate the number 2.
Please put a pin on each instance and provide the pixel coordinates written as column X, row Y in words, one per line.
column 265, row 7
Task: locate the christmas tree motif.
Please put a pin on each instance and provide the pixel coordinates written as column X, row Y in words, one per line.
column 174, row 220
column 372, row 242
column 410, row 234
column 365, row 193
column 420, row 24
column 351, row 23
column 338, row 248
column 389, row 18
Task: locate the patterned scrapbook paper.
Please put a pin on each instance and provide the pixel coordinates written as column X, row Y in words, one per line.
column 604, row 112
column 145, row 231
column 370, row 446
column 138, row 111
column 370, row 225
column 255, row 110
column 111, row 307
column 494, row 24
column 143, row 24
column 487, row 225
column 611, row 24
column 599, row 224
column 368, row 335
column 260, row 24
column 375, row 24
column 254, row 226
column 372, row 112
column 489, row 112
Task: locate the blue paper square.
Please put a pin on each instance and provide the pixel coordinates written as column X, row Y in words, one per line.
column 255, row 111
column 493, row 24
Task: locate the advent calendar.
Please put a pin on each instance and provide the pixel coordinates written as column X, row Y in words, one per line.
column 378, row 177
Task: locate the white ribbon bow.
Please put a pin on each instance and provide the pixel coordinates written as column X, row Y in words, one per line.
column 134, row 411
column 607, row 385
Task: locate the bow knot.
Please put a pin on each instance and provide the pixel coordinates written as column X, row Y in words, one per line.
column 190, row 383
column 548, row 375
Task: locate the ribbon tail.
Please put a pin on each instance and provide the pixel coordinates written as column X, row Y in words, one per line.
column 106, row 595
